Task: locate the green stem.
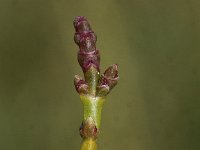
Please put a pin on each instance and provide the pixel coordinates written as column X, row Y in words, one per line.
column 89, row 144
column 92, row 77
column 92, row 107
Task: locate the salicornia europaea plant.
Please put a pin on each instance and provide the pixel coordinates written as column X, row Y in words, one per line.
column 94, row 87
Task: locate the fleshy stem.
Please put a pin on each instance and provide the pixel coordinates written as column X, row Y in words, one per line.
column 93, row 88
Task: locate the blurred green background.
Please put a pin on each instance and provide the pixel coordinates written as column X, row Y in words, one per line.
column 156, row 105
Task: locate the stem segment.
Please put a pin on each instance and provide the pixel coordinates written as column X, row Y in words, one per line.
column 89, row 144
column 92, row 107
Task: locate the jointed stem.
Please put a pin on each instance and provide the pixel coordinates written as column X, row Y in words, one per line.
column 94, row 88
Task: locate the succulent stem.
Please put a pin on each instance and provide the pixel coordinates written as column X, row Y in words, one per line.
column 93, row 88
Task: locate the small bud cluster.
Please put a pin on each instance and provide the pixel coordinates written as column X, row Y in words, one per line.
column 88, row 57
column 94, row 87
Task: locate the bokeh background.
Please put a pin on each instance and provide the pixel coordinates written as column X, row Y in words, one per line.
column 156, row 43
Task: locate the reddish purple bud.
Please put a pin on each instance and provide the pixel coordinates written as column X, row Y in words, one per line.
column 88, row 129
column 109, row 78
column 86, row 60
column 111, row 72
column 80, row 85
column 86, row 39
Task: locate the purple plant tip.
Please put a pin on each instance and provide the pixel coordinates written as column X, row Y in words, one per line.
column 86, row 39
column 80, row 85
column 81, row 24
